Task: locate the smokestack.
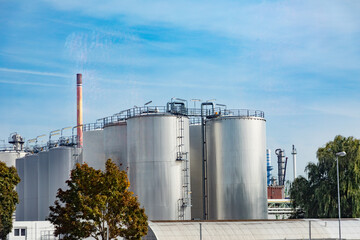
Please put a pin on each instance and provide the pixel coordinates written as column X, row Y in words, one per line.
column 79, row 109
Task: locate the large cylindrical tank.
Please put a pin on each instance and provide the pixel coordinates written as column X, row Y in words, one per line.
column 93, row 149
column 61, row 162
column 31, row 187
column 158, row 174
column 115, row 144
column 43, row 180
column 236, row 153
column 20, row 189
column 9, row 157
column 196, row 171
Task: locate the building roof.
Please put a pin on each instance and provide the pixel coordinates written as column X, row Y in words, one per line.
column 253, row 229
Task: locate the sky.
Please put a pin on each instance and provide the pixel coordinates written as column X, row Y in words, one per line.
column 298, row 61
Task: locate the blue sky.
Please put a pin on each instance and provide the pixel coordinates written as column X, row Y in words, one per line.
column 299, row 61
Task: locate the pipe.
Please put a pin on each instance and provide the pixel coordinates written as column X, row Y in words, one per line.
column 172, row 107
column 79, row 109
column 204, row 158
column 281, row 168
column 269, row 168
column 294, row 160
column 286, row 159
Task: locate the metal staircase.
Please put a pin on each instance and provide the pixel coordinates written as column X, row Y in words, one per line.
column 182, row 155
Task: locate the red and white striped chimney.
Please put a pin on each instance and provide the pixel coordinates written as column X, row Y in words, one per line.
column 79, row 109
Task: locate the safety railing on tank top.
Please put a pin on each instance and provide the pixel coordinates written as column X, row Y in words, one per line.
column 239, row 112
column 132, row 112
column 93, row 126
column 193, row 113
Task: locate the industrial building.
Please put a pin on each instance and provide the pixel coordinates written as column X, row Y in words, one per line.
column 152, row 144
column 206, row 164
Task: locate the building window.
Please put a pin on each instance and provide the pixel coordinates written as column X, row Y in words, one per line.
column 23, row 232
column 17, row 232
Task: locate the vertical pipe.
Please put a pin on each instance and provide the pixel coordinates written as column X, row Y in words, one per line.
column 79, row 109
column 281, row 168
column 294, row 160
column 269, row 167
column 204, row 159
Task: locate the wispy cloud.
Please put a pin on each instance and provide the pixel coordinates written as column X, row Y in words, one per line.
column 32, row 83
column 306, row 33
column 34, row 72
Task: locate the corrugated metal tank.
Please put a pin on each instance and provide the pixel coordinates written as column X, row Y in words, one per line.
column 61, row 162
column 196, row 171
column 20, row 189
column 9, row 157
column 115, row 144
column 236, row 168
column 156, row 175
column 31, row 187
column 43, row 179
column 93, row 149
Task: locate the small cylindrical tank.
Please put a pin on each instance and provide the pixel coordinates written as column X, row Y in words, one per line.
column 196, row 171
column 20, row 189
column 61, row 162
column 236, row 153
column 158, row 158
column 43, row 180
column 31, row 187
column 93, row 149
column 115, row 144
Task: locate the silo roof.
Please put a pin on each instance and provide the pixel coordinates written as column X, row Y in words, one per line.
column 253, row 229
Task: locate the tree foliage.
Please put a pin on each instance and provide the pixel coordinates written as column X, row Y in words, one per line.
column 8, row 198
column 317, row 195
column 95, row 199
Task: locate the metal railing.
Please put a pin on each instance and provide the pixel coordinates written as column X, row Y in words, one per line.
column 172, row 108
column 93, row 126
column 193, row 113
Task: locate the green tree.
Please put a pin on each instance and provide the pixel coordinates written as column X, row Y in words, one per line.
column 317, row 195
column 8, row 198
column 95, row 199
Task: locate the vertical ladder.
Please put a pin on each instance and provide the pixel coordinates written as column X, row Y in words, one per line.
column 182, row 155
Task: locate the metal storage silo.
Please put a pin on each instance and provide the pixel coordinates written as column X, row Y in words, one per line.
column 9, row 157
column 236, row 153
column 196, row 171
column 20, row 189
column 115, row 144
column 31, row 187
column 93, row 149
column 43, row 180
column 158, row 159
column 61, row 162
